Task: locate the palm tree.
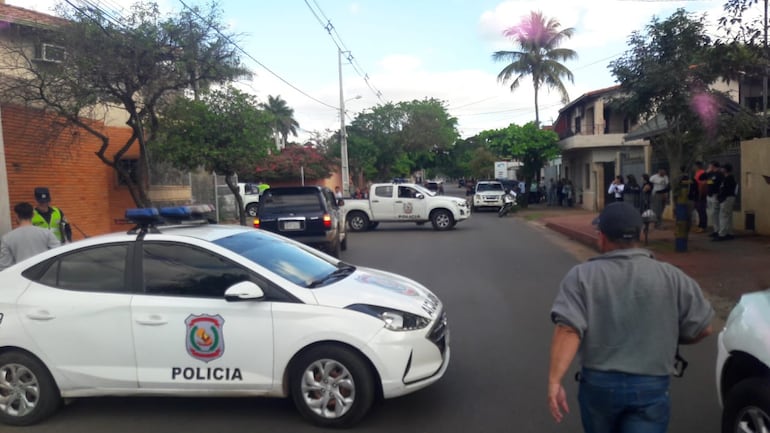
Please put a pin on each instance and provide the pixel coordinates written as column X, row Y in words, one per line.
column 283, row 117
column 539, row 56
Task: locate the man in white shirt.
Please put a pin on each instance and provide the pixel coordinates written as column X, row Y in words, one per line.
column 660, row 188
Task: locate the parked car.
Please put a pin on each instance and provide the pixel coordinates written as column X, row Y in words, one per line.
column 405, row 202
column 743, row 366
column 488, row 194
column 250, row 195
column 196, row 310
column 309, row 214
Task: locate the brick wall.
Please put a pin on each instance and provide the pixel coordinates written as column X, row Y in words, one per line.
column 40, row 154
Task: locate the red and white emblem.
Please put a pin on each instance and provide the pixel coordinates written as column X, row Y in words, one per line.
column 205, row 340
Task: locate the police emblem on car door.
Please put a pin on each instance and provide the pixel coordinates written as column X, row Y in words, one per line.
column 205, row 339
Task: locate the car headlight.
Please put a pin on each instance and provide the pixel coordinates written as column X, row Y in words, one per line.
column 395, row 320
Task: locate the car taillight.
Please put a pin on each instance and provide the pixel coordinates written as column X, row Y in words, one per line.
column 327, row 221
column 256, row 223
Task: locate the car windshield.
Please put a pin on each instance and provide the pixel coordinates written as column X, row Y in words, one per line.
column 489, row 187
column 282, row 257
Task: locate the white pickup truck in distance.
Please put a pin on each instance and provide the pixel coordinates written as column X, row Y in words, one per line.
column 404, row 202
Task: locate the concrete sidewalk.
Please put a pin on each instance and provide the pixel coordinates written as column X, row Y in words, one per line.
column 725, row 270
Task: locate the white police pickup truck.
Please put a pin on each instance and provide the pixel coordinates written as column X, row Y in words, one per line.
column 405, row 202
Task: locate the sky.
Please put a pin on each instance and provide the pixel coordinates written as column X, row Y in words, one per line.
column 416, row 49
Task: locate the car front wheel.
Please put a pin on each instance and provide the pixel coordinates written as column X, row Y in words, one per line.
column 332, row 386
column 28, row 393
column 747, row 407
column 441, row 220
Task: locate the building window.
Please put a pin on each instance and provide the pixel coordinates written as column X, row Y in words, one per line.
column 132, row 166
column 49, row 53
column 578, row 120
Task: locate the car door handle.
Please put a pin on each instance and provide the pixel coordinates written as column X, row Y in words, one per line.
column 398, row 201
column 153, row 320
column 375, row 201
column 42, row 315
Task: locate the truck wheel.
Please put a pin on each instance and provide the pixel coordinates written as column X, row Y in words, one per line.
column 441, row 219
column 331, row 386
column 29, row 392
column 358, row 221
column 251, row 209
column 747, row 407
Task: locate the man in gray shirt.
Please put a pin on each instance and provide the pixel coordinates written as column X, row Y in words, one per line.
column 625, row 313
column 25, row 240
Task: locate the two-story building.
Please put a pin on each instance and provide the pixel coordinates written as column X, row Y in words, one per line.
column 591, row 136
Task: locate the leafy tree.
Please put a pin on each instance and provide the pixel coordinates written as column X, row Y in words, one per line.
column 224, row 132
column 283, row 117
column 740, row 27
column 135, row 64
column 539, row 56
column 482, row 165
column 667, row 71
column 533, row 146
column 397, row 139
column 292, row 161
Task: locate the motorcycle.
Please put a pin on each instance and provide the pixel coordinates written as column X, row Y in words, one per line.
column 509, row 201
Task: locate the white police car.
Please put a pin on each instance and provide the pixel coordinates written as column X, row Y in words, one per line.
column 743, row 366
column 201, row 310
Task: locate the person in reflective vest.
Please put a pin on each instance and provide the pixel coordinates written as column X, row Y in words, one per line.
column 49, row 217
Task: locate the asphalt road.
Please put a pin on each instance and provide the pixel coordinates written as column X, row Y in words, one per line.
column 497, row 278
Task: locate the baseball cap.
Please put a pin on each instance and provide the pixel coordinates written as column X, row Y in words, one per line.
column 619, row 220
column 42, row 195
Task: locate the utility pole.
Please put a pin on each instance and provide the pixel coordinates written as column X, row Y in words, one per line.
column 764, row 78
column 345, row 173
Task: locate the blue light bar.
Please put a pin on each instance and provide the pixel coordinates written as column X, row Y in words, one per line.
column 176, row 212
column 148, row 215
column 186, row 212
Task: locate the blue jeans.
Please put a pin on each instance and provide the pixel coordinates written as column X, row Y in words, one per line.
column 612, row 402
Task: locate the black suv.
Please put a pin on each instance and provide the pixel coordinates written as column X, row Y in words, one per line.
column 308, row 214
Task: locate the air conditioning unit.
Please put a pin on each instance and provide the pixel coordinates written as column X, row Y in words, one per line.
column 50, row 53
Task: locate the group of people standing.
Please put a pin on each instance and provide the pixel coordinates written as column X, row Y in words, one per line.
column 561, row 193
column 38, row 229
column 710, row 190
column 717, row 189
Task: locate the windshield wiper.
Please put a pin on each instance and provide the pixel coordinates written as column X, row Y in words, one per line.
column 341, row 272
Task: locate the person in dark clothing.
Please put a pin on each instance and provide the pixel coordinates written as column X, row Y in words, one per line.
column 713, row 178
column 700, row 201
column 726, row 199
column 646, row 192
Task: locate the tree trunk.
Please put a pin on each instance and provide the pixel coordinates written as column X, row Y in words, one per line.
column 230, row 180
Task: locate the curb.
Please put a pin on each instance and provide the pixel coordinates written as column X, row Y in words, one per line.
column 577, row 235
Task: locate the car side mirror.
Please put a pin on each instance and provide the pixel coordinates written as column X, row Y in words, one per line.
column 244, row 291
column 419, row 195
column 340, row 202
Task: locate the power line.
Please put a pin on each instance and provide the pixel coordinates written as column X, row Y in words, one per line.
column 327, row 25
column 238, row 47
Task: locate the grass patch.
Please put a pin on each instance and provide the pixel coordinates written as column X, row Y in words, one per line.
column 532, row 216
